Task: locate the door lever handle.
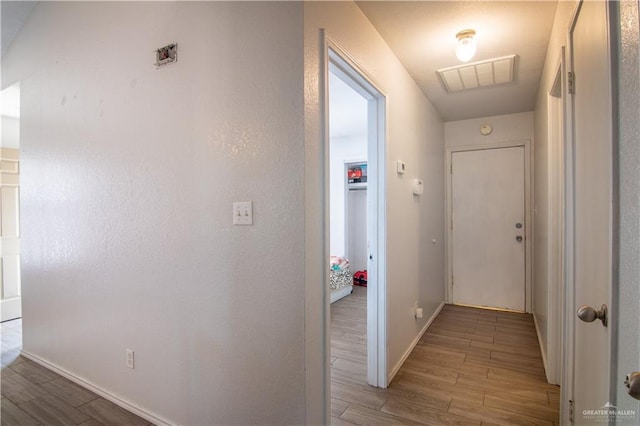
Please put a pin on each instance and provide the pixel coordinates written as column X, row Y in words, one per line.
column 633, row 384
column 588, row 314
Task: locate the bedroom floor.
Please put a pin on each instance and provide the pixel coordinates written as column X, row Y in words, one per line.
column 471, row 367
column 33, row 395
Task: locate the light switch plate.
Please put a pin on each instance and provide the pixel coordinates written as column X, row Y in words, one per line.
column 400, row 167
column 243, row 213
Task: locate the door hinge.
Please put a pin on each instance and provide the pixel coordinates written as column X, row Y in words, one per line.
column 571, row 82
column 572, row 405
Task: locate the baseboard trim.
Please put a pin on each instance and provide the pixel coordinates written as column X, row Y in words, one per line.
column 543, row 349
column 414, row 343
column 151, row 417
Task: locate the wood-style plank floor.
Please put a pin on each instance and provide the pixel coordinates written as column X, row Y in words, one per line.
column 33, row 395
column 471, row 367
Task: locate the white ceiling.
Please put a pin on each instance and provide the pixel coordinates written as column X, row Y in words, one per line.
column 347, row 110
column 422, row 35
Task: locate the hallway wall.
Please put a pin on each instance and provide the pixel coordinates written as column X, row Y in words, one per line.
column 508, row 127
column 129, row 174
column 628, row 345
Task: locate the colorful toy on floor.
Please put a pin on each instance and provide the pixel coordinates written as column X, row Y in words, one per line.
column 360, row 278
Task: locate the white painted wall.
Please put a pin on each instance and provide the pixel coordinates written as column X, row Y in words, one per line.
column 415, row 266
column 547, row 187
column 509, row 127
column 128, row 178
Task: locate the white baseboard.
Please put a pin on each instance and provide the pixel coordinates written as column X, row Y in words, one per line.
column 413, row 344
column 543, row 348
column 153, row 418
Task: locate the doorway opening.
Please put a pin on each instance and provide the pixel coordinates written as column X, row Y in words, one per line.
column 10, row 287
column 355, row 178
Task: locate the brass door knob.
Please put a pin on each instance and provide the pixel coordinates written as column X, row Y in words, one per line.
column 588, row 314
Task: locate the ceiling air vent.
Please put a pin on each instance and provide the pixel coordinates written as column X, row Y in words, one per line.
column 478, row 74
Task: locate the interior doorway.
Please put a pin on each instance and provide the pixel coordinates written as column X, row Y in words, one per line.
column 355, row 178
column 10, row 285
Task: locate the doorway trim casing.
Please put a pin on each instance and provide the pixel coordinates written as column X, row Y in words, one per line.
column 526, row 144
column 337, row 56
column 556, row 233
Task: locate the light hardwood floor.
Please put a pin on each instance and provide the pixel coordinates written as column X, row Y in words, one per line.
column 33, row 395
column 471, row 367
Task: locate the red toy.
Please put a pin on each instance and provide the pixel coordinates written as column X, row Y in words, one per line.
column 360, row 278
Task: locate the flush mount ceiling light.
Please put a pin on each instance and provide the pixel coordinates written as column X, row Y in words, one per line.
column 467, row 45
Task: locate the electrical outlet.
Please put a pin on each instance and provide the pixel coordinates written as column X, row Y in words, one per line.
column 243, row 213
column 130, row 358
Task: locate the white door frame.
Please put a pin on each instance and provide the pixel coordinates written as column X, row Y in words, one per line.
column 568, row 296
column 556, row 240
column 527, row 210
column 568, row 305
column 342, row 62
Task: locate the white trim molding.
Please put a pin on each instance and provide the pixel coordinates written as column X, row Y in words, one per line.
column 413, row 344
column 120, row 402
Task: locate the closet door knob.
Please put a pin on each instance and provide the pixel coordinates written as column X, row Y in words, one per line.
column 588, row 314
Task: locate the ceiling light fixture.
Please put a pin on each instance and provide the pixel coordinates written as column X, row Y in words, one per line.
column 466, row 45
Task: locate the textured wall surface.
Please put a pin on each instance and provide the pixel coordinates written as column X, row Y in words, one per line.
column 506, row 128
column 629, row 181
column 129, row 174
column 415, row 266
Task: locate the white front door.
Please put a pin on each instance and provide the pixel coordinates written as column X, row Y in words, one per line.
column 488, row 227
column 593, row 204
column 11, row 305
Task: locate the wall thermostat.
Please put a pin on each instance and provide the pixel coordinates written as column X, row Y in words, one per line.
column 486, row 129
